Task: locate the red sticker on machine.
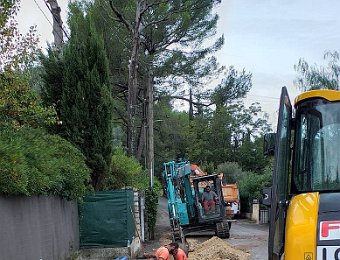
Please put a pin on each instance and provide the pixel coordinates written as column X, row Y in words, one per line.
column 329, row 230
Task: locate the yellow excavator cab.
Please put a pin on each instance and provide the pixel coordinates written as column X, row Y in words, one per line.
column 305, row 193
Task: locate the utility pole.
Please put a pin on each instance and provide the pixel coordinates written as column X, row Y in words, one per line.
column 150, row 137
column 57, row 23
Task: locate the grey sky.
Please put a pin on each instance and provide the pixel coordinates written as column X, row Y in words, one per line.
column 266, row 37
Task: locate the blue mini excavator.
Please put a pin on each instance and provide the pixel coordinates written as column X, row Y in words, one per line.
column 186, row 211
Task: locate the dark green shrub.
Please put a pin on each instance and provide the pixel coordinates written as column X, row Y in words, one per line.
column 252, row 184
column 125, row 171
column 33, row 162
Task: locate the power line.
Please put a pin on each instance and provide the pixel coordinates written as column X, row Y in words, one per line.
column 263, row 97
column 55, row 18
column 43, row 12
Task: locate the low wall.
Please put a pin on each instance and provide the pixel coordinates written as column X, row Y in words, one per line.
column 38, row 227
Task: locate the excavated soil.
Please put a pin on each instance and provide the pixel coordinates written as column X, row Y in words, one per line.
column 215, row 248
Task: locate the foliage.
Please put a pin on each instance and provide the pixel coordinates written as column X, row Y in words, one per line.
column 33, row 162
column 151, row 205
column 18, row 51
column 125, row 171
column 19, row 105
column 86, row 103
column 168, row 45
column 230, row 133
column 252, row 184
column 234, row 85
column 319, row 77
column 251, row 157
column 219, row 136
column 232, row 172
column 52, row 77
column 178, row 48
column 170, row 134
column 142, row 182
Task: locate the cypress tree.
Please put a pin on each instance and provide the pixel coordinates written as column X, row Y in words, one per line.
column 86, row 101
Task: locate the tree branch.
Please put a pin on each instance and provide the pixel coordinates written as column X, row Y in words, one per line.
column 120, row 17
column 193, row 102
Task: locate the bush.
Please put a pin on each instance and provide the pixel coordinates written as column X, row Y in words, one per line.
column 252, row 184
column 232, row 172
column 33, row 162
column 125, row 171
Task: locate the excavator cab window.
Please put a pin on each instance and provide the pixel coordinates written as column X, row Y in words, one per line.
column 208, row 209
column 317, row 157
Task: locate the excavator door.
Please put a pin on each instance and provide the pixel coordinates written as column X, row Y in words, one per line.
column 279, row 192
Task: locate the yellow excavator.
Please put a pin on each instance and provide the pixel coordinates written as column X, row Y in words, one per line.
column 304, row 198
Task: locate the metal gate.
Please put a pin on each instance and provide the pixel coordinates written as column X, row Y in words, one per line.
column 264, row 216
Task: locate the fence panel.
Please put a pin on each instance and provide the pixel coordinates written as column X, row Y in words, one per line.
column 106, row 220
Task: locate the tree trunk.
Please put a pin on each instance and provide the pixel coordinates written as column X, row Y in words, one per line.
column 191, row 109
column 57, row 24
column 133, row 84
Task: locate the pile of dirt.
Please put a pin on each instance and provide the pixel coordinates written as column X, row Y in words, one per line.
column 217, row 249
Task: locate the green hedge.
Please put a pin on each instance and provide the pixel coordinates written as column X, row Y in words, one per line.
column 33, row 162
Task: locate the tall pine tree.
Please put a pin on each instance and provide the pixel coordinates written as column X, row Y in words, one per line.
column 86, row 101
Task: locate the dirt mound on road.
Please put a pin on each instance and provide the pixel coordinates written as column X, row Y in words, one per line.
column 217, row 249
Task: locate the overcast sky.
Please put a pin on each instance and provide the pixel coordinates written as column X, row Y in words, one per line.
column 266, row 37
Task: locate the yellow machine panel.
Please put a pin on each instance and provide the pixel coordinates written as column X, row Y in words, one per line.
column 330, row 95
column 301, row 226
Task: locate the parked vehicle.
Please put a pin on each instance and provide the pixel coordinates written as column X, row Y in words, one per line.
column 305, row 193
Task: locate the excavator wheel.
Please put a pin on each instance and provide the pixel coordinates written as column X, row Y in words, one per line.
column 222, row 230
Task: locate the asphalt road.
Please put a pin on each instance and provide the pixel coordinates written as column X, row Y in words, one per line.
column 250, row 237
column 244, row 234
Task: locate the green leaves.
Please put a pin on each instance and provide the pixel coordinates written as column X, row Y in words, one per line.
column 19, row 105
column 151, row 206
column 33, row 162
column 126, row 171
column 86, row 105
column 319, row 77
column 17, row 51
column 252, row 184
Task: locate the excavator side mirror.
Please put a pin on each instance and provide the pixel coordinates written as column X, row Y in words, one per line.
column 269, row 143
column 267, row 196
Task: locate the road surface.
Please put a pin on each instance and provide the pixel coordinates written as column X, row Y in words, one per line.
column 250, row 237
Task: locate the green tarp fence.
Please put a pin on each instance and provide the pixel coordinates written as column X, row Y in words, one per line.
column 106, row 220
